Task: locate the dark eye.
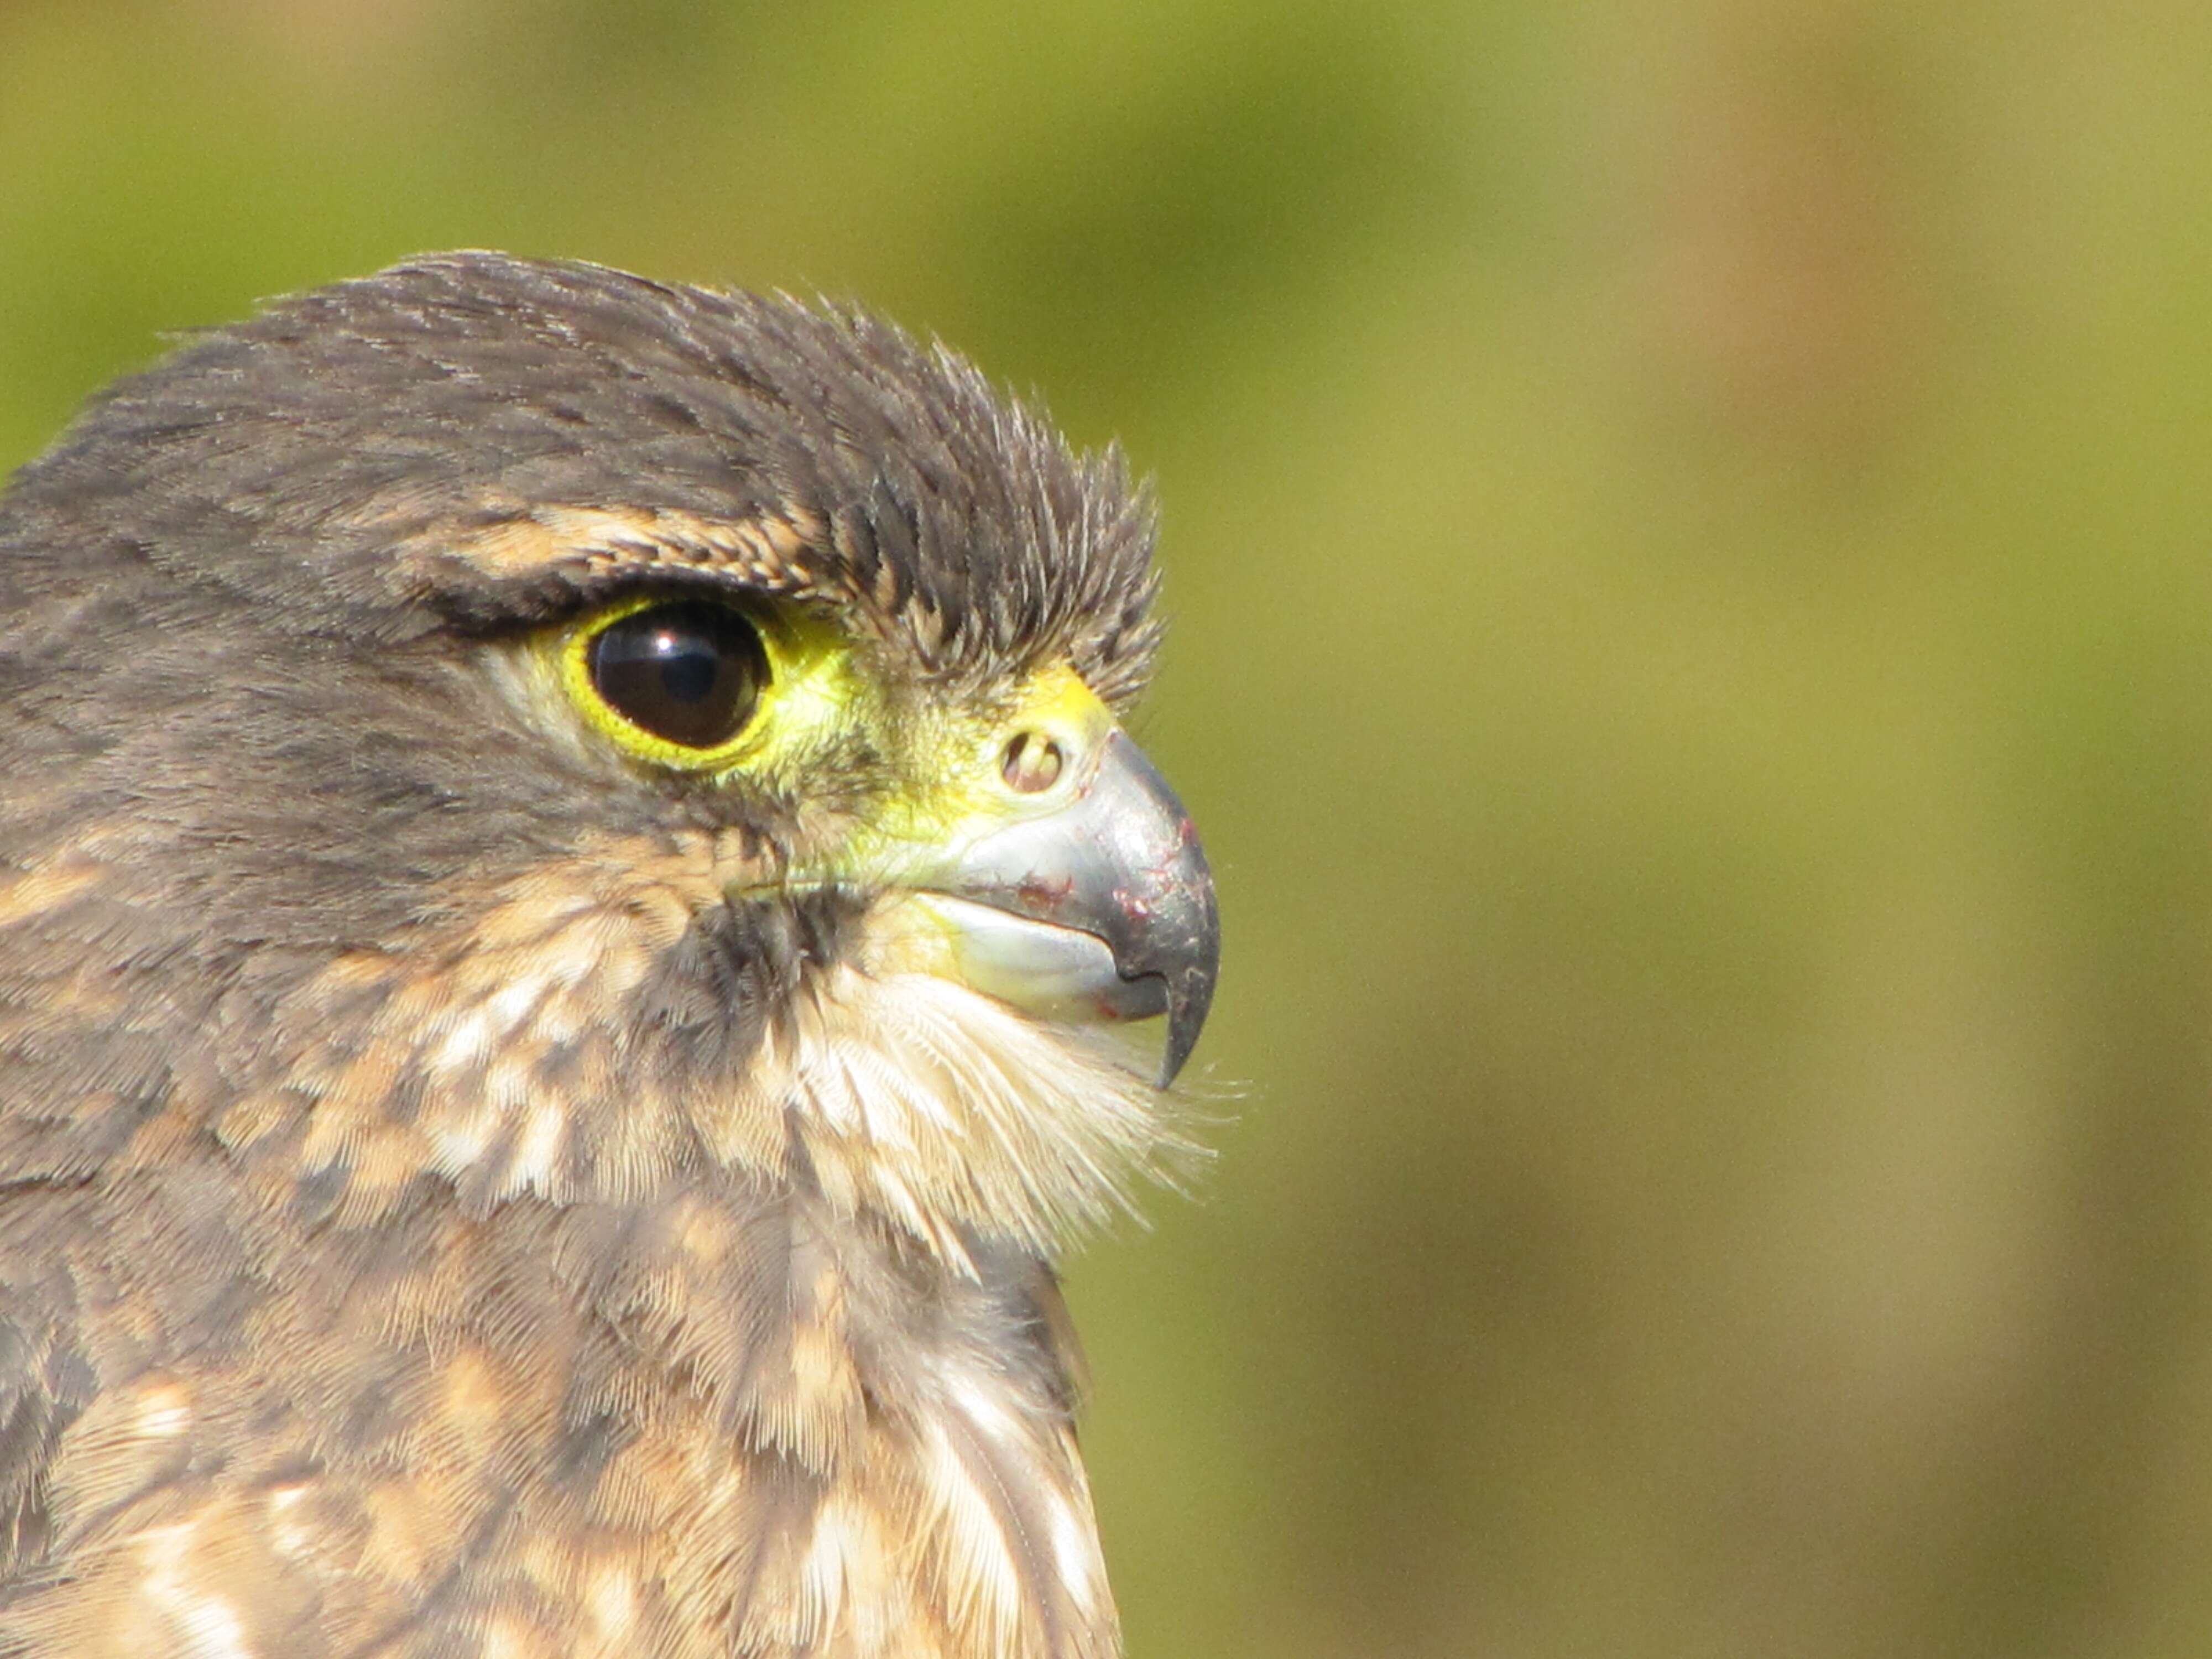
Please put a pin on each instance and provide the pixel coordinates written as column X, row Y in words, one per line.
column 686, row 672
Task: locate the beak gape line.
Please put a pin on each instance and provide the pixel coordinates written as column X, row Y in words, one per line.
column 1103, row 910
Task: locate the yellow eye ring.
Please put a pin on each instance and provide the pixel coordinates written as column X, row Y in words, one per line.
column 699, row 683
column 676, row 679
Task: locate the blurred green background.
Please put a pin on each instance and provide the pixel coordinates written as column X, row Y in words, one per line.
column 1687, row 537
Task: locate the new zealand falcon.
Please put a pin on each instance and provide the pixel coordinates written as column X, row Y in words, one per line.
column 569, row 875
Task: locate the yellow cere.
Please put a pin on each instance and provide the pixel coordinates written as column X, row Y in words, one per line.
column 953, row 757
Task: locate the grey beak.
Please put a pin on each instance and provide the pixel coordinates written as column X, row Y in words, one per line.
column 1120, row 863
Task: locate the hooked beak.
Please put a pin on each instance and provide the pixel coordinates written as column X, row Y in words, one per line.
column 1101, row 909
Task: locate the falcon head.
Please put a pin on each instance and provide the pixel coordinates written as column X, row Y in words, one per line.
column 525, row 728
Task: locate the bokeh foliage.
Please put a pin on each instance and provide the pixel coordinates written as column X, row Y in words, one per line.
column 1687, row 530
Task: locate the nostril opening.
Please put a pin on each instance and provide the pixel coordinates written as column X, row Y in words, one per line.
column 1031, row 763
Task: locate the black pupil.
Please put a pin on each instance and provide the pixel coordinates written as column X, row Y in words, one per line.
column 685, row 671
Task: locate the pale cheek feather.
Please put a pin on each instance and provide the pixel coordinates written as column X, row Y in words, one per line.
column 611, row 1601
column 44, row 889
column 1075, row 1549
column 984, row 1407
column 946, row 1110
column 128, row 1440
column 843, row 1561
column 281, row 1522
column 982, row 1582
column 199, row 1624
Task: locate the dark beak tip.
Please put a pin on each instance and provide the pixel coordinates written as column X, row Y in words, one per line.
column 1183, row 1037
column 1190, row 991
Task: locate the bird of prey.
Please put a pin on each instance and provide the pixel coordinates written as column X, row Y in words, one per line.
column 572, row 899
